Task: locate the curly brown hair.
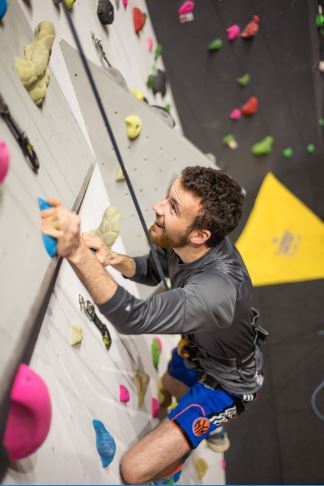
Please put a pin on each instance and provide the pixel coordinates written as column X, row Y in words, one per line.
column 221, row 199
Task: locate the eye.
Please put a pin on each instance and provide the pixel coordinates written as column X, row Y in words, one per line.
column 173, row 208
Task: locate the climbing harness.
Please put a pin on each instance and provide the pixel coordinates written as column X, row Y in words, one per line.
column 19, row 135
column 188, row 349
column 114, row 144
column 89, row 309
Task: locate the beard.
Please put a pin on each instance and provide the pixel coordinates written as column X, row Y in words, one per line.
column 164, row 240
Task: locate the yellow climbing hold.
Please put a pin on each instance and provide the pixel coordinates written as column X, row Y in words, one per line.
column 109, row 227
column 283, row 240
column 69, row 4
column 138, row 93
column 133, row 126
column 141, row 381
column 76, row 334
column 172, row 405
column 33, row 70
column 201, row 467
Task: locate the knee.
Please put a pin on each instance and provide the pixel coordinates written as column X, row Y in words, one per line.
column 131, row 471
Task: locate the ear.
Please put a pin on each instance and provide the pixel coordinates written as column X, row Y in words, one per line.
column 199, row 237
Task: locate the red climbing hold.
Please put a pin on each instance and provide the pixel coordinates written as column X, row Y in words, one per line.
column 139, row 18
column 252, row 28
column 250, row 107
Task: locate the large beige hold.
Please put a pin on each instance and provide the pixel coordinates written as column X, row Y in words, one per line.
column 201, row 467
column 109, row 227
column 141, row 381
column 33, row 70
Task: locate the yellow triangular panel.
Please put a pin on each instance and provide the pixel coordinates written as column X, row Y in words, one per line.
column 283, row 241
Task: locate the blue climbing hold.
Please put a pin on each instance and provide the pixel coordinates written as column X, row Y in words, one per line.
column 50, row 243
column 3, row 8
column 106, row 445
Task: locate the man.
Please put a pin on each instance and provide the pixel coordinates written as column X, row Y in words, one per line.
column 217, row 368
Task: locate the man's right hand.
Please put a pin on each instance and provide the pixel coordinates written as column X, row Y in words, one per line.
column 104, row 254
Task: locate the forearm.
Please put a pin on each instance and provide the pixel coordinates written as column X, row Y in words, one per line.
column 92, row 274
column 124, row 264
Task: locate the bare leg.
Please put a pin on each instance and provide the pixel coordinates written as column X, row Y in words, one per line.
column 174, row 387
column 154, row 454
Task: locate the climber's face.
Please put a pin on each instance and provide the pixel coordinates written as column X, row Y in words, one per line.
column 174, row 217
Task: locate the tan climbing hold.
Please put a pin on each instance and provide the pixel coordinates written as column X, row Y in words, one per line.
column 133, row 126
column 109, row 227
column 119, row 175
column 201, row 467
column 33, row 70
column 76, row 334
column 164, row 397
column 141, row 381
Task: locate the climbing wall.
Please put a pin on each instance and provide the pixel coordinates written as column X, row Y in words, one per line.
column 84, row 381
column 25, row 268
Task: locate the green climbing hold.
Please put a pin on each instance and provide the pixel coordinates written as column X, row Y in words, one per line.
column 244, row 80
column 319, row 21
column 230, row 141
column 321, row 122
column 157, row 52
column 167, row 107
column 149, row 81
column 155, row 353
column 287, row 152
column 215, row 45
column 263, row 147
column 310, row 148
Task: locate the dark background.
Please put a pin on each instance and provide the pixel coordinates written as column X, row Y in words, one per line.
column 279, row 439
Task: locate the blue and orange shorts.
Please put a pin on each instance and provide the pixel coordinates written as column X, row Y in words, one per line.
column 202, row 409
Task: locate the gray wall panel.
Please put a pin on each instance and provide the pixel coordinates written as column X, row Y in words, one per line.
column 66, row 163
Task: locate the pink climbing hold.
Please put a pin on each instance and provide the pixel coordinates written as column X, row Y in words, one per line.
column 186, row 8
column 29, row 416
column 4, row 160
column 235, row 114
column 155, row 407
column 223, row 464
column 150, row 44
column 125, row 3
column 123, row 394
column 233, row 32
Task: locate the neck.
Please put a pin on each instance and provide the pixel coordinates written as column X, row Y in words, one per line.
column 189, row 254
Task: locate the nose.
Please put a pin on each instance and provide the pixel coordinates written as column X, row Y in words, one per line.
column 159, row 207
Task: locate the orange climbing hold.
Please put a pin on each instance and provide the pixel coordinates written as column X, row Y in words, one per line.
column 252, row 28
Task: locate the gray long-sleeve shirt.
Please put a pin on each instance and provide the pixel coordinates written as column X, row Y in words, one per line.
column 210, row 300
